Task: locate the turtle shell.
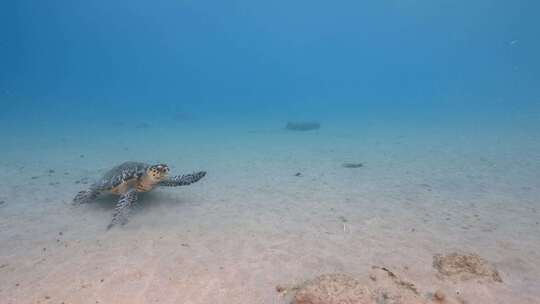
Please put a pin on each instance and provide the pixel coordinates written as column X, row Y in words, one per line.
column 121, row 176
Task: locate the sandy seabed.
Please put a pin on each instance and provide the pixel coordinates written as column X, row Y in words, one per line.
column 253, row 224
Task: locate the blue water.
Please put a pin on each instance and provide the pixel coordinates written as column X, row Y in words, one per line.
column 247, row 58
column 438, row 93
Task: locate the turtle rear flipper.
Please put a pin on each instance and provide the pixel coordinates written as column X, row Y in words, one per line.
column 86, row 196
column 183, row 180
column 123, row 208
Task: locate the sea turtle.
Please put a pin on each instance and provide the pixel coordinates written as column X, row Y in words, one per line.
column 129, row 178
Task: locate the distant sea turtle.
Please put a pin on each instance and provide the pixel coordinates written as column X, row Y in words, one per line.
column 129, row 178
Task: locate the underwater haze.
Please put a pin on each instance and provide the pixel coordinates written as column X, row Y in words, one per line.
column 376, row 139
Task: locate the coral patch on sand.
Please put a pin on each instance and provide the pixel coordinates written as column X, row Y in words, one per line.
column 381, row 286
column 332, row 289
column 465, row 267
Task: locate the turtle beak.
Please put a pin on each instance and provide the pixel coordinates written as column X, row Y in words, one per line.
column 163, row 169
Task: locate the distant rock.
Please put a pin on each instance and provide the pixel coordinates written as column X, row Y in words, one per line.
column 352, row 165
column 142, row 125
column 182, row 116
column 302, row 126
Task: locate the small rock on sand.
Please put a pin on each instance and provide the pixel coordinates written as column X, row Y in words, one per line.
column 439, row 295
column 83, row 181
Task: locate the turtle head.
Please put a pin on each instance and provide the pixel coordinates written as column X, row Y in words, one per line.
column 158, row 172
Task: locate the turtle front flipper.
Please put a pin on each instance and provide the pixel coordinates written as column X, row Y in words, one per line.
column 183, row 180
column 86, row 196
column 123, row 208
